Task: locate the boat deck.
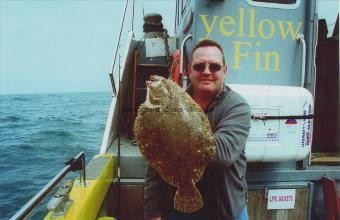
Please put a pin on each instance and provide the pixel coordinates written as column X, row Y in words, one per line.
column 132, row 164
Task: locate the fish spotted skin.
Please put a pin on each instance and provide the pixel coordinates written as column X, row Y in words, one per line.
column 175, row 138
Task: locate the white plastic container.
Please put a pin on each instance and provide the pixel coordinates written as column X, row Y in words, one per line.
column 278, row 139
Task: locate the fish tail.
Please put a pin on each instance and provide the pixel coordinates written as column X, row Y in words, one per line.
column 188, row 199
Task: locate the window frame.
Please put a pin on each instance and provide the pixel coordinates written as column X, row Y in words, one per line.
column 275, row 5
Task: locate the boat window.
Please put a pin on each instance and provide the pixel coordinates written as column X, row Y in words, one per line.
column 284, row 4
column 277, row 1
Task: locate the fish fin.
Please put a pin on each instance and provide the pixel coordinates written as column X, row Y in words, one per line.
column 188, row 199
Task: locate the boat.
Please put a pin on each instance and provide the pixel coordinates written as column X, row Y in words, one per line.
column 273, row 52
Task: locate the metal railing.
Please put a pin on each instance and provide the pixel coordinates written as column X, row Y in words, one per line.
column 116, row 51
column 181, row 67
column 76, row 163
column 300, row 38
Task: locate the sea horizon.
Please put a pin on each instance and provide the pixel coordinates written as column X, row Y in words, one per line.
column 38, row 134
column 53, row 92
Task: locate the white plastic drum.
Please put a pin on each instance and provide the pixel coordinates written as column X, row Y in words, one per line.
column 278, row 139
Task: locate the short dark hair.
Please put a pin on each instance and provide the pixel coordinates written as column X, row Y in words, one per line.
column 209, row 43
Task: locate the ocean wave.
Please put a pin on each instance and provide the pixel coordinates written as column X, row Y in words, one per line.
column 38, row 134
column 25, row 146
column 61, row 120
column 23, row 98
column 10, row 118
column 11, row 121
column 55, row 133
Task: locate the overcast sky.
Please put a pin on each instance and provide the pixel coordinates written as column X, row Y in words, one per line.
column 67, row 46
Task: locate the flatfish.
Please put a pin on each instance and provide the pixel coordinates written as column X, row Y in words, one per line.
column 175, row 138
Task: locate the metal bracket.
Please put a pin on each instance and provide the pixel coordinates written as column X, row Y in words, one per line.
column 300, row 38
column 78, row 163
column 181, row 67
column 266, row 191
column 60, row 201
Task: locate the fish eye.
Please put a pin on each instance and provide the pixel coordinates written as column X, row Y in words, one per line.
column 155, row 77
column 155, row 85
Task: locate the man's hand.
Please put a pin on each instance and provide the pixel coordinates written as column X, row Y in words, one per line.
column 155, row 218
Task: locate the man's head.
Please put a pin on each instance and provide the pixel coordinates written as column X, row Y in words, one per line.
column 208, row 68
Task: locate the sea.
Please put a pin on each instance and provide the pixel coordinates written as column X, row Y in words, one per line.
column 38, row 134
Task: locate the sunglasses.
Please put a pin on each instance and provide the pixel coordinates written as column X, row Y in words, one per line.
column 213, row 67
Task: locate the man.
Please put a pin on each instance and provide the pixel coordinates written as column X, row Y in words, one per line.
column 223, row 186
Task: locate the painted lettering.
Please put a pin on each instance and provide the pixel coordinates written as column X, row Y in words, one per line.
column 270, row 25
column 287, row 198
column 266, row 28
column 238, row 54
column 288, row 29
column 273, row 199
column 241, row 27
column 227, row 21
column 251, row 23
column 268, row 55
column 251, row 33
column 257, row 57
column 208, row 28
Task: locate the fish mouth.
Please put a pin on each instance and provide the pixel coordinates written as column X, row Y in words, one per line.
column 153, row 78
column 147, row 102
column 153, row 81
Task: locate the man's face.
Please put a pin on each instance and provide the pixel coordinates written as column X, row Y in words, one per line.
column 210, row 78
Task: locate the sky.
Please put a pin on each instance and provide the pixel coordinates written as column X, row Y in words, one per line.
column 53, row 46
column 63, row 46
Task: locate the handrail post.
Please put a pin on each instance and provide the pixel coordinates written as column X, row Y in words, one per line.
column 116, row 51
column 181, row 68
column 300, row 38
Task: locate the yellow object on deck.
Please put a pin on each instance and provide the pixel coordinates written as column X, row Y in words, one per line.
column 86, row 200
column 106, row 218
